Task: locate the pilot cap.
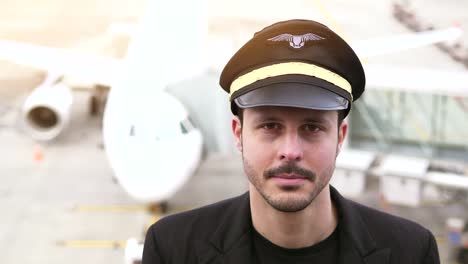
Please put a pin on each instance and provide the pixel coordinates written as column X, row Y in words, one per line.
column 295, row 63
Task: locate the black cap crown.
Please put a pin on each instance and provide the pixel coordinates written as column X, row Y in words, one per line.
column 294, row 52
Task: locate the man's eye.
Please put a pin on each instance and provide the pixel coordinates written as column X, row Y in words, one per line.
column 311, row 128
column 271, row 126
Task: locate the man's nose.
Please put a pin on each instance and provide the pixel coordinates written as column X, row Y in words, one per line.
column 291, row 148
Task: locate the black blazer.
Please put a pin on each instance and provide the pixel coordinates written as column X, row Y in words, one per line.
column 221, row 233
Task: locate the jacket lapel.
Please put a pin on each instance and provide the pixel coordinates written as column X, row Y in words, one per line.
column 240, row 253
column 231, row 242
column 349, row 254
column 378, row 256
column 356, row 243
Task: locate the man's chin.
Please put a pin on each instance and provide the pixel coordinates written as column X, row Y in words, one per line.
column 289, row 188
column 288, row 201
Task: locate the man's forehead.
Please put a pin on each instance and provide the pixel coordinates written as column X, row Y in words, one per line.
column 293, row 113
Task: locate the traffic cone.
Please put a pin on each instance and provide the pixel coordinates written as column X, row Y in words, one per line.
column 383, row 203
column 38, row 154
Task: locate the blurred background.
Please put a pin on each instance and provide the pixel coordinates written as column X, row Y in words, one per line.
column 62, row 200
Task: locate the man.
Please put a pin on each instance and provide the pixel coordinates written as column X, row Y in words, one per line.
column 290, row 88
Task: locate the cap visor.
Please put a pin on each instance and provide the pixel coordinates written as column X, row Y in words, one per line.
column 292, row 95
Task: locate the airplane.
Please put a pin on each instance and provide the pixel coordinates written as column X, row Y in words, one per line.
column 144, row 126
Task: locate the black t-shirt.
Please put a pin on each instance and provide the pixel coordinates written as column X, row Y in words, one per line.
column 324, row 252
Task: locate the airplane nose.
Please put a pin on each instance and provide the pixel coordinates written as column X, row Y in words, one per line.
column 149, row 153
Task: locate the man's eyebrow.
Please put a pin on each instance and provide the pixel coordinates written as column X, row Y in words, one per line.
column 265, row 118
column 317, row 119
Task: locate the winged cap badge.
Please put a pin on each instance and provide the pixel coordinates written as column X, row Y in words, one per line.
column 296, row 41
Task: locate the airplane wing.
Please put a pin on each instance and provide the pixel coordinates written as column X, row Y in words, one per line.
column 96, row 69
column 125, row 29
column 391, row 44
column 174, row 52
column 104, row 71
column 411, row 79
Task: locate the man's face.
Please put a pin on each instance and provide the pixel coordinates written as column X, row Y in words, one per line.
column 288, row 153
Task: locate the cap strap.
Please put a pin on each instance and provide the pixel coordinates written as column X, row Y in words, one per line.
column 289, row 68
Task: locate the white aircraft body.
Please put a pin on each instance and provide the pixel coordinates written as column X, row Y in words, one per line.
column 150, row 142
column 149, row 139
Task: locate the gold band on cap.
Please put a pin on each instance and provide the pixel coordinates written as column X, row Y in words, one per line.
column 289, row 68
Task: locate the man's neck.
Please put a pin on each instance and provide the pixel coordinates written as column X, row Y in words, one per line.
column 294, row 230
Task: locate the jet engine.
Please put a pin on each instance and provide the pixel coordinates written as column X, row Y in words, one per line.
column 46, row 111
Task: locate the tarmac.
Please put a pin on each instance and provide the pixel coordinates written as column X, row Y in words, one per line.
column 60, row 201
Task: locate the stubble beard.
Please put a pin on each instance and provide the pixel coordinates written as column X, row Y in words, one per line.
column 288, row 202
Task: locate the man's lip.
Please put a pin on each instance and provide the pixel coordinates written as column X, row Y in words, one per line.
column 289, row 180
column 289, row 176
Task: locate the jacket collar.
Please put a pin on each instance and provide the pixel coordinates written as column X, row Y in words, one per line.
column 232, row 243
column 356, row 243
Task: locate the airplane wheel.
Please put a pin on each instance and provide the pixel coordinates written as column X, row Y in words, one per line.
column 93, row 105
column 159, row 208
column 164, row 207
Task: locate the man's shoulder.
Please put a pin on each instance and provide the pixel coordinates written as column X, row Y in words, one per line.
column 375, row 217
column 199, row 219
column 381, row 222
column 406, row 239
column 177, row 238
column 386, row 227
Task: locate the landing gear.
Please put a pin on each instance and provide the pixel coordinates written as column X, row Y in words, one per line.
column 159, row 208
column 157, row 211
column 98, row 100
column 93, row 105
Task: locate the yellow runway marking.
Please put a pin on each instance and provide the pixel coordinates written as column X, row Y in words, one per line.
column 93, row 243
column 154, row 208
column 441, row 239
column 111, row 208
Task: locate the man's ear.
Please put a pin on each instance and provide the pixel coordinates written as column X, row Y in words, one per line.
column 237, row 131
column 342, row 132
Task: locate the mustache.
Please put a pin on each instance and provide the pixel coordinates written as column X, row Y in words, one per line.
column 290, row 168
